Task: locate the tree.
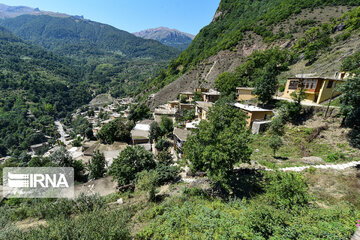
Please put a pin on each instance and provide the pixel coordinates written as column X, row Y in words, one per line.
column 115, row 130
column 166, row 125
column 162, row 144
column 350, row 102
column 266, row 82
column 275, row 142
column 96, row 166
column 62, row 158
column 219, row 143
column 293, row 109
column 139, row 112
column 155, row 132
column 197, row 96
column 277, row 126
column 226, row 83
column 131, row 160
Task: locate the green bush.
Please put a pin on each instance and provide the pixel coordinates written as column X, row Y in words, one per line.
column 287, row 190
column 131, row 161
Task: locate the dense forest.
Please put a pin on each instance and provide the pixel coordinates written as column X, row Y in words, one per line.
column 35, row 88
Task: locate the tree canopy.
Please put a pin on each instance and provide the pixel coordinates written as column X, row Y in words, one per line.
column 218, row 144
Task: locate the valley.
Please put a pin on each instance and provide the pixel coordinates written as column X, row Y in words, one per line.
column 248, row 130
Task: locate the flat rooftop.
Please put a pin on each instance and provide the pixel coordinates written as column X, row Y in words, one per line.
column 245, row 88
column 204, row 105
column 181, row 134
column 251, row 108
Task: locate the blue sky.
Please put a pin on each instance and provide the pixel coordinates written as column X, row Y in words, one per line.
column 134, row 15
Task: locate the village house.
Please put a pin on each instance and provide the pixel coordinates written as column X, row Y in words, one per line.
column 188, row 95
column 36, row 147
column 180, row 137
column 244, row 93
column 254, row 113
column 201, row 90
column 140, row 134
column 211, row 96
column 202, row 109
column 164, row 111
column 173, row 104
column 317, row 89
column 186, row 106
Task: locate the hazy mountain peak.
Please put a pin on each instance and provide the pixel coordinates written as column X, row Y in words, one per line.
column 15, row 11
column 167, row 36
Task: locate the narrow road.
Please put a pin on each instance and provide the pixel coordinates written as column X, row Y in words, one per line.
column 61, row 131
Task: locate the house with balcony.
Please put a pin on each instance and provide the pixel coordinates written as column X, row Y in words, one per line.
column 254, row 113
column 317, row 89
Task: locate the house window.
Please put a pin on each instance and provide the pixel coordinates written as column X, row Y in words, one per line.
column 310, row 84
column 330, row 83
column 293, row 85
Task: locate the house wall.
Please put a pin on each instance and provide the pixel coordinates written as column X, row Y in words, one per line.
column 287, row 91
column 173, row 105
column 140, row 141
column 245, row 94
column 210, row 98
column 253, row 116
column 186, row 107
column 325, row 93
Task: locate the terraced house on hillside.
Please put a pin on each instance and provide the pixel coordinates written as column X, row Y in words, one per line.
column 317, row 89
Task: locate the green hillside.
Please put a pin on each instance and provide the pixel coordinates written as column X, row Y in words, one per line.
column 72, row 36
column 35, row 88
column 113, row 60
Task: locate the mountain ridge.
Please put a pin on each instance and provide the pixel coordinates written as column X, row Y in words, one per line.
column 170, row 37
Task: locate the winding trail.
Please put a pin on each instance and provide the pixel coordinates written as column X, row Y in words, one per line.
column 338, row 167
column 330, row 166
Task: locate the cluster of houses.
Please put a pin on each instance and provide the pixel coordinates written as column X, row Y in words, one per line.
column 317, row 90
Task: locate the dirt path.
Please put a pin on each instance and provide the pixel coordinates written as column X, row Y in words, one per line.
column 330, row 166
column 293, row 169
column 61, row 131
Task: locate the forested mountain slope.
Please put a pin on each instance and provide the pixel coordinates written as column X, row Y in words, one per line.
column 35, row 87
column 113, row 60
column 79, row 37
column 237, row 30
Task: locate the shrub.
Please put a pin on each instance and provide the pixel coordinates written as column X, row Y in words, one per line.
column 146, row 181
column 287, row 190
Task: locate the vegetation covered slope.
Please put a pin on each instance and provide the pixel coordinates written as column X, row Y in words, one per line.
column 113, row 60
column 239, row 28
column 73, row 36
column 36, row 86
